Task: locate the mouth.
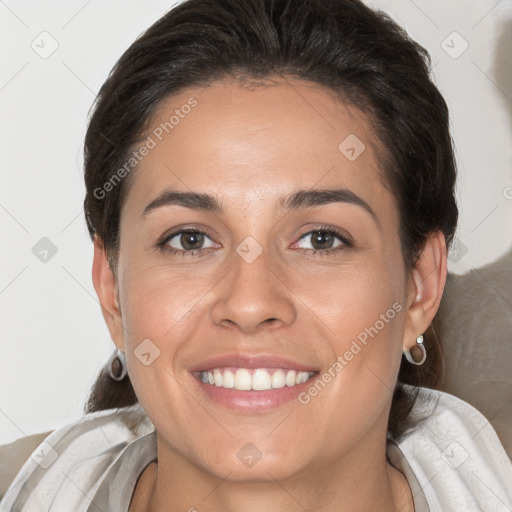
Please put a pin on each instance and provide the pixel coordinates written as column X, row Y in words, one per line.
column 252, row 383
column 255, row 379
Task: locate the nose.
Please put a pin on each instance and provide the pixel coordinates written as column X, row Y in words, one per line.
column 254, row 295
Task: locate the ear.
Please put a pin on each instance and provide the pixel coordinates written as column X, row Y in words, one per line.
column 105, row 284
column 425, row 287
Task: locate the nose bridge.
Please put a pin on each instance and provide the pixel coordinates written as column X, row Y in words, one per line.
column 253, row 268
column 254, row 293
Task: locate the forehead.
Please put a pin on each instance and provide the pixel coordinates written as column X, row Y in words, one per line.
column 256, row 140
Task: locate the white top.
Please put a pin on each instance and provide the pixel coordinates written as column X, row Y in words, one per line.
column 453, row 461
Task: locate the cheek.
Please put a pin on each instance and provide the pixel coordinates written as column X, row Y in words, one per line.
column 366, row 326
column 159, row 302
column 160, row 313
column 362, row 298
column 363, row 306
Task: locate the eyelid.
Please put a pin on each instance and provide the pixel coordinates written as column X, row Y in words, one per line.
column 177, row 230
column 345, row 242
column 177, row 235
column 338, row 232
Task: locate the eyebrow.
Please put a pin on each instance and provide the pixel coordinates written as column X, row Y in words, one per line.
column 295, row 201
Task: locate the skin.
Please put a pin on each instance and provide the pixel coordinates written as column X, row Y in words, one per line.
column 249, row 147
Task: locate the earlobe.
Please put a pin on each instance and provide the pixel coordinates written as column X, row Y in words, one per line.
column 426, row 284
column 105, row 285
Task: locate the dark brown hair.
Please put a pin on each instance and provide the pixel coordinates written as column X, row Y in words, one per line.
column 359, row 53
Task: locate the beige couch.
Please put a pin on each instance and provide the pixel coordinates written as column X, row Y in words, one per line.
column 476, row 325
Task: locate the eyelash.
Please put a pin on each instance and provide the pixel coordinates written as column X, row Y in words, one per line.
column 347, row 243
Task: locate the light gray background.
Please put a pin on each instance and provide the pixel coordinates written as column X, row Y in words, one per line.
column 53, row 338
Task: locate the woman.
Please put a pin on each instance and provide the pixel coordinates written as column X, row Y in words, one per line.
column 270, row 192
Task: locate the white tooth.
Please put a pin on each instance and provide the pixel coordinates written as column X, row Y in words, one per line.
column 278, row 379
column 261, row 380
column 217, row 377
column 243, row 380
column 301, row 377
column 229, row 380
column 290, row 378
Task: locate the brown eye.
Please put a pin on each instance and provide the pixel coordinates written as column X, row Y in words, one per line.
column 192, row 240
column 185, row 241
column 322, row 240
column 326, row 240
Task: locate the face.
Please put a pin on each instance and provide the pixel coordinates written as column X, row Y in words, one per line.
column 261, row 286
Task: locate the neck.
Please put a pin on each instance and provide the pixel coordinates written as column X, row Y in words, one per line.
column 349, row 483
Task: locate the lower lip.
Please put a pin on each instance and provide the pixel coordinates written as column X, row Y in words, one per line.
column 253, row 401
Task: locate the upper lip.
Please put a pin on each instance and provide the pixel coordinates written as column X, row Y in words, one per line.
column 251, row 361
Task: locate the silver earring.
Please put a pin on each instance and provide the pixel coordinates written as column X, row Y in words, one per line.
column 417, row 354
column 116, row 366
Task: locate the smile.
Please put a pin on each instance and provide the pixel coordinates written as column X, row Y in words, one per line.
column 255, row 379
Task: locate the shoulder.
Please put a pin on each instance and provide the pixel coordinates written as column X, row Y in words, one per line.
column 456, row 455
column 80, row 452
